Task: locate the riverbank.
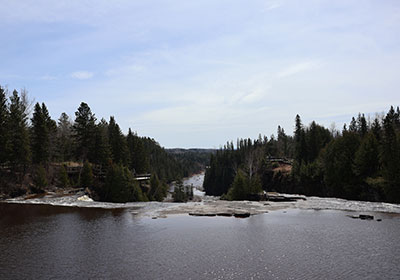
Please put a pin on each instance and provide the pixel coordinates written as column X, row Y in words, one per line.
column 211, row 205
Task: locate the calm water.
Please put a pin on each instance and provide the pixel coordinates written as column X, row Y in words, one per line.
column 48, row 242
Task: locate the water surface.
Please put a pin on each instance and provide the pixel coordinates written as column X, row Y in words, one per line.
column 49, row 242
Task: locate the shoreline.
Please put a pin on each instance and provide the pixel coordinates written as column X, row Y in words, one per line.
column 211, row 206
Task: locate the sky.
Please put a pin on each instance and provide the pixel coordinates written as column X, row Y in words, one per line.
column 201, row 73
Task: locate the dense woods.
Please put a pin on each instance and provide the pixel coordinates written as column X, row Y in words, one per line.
column 36, row 152
column 362, row 161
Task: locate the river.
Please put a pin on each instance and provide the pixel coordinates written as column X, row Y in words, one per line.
column 41, row 241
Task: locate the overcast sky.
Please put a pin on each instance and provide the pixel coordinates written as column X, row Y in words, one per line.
column 200, row 73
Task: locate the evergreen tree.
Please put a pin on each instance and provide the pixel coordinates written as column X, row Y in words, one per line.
column 391, row 157
column 64, row 140
column 353, row 125
column 154, row 185
column 138, row 158
column 179, row 194
column 19, row 140
column 120, row 186
column 338, row 162
column 102, row 151
column 362, row 124
column 376, row 129
column 84, row 128
column 40, row 179
column 39, row 136
column 63, row 179
column 300, row 141
column 366, row 161
column 240, row 187
column 4, row 132
column 283, row 149
column 51, row 126
column 117, row 143
column 86, row 176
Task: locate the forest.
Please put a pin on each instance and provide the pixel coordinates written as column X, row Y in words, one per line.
column 38, row 152
column 360, row 162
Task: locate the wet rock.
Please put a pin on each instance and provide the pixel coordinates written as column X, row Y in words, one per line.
column 203, row 214
column 225, row 214
column 241, row 215
column 366, row 217
column 361, row 217
column 282, row 198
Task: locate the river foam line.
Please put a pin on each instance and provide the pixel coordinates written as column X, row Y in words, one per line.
column 213, row 206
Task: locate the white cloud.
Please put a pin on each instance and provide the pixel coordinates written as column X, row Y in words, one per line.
column 82, row 75
column 48, row 78
column 298, row 68
column 272, row 5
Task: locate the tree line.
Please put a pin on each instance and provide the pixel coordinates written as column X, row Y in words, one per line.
column 31, row 143
column 362, row 162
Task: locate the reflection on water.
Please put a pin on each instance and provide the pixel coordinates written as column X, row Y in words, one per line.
column 39, row 241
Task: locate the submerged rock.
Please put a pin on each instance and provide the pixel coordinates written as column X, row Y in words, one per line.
column 362, row 217
column 366, row 217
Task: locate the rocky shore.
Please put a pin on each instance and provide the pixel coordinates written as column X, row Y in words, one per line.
column 210, row 206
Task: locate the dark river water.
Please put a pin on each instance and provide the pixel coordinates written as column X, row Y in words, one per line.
column 48, row 242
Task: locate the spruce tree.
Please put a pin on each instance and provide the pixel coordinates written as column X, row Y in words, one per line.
column 86, row 176
column 391, row 157
column 366, row 160
column 17, row 127
column 40, row 179
column 4, row 132
column 63, row 179
column 64, row 139
column 139, row 161
column 117, row 143
column 39, row 136
column 101, row 153
column 84, row 128
column 300, row 141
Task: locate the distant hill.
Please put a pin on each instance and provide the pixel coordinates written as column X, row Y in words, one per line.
column 194, row 160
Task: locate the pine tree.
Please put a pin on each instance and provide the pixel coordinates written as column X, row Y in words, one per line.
column 120, row 186
column 117, row 143
column 84, row 128
column 86, row 176
column 353, row 125
column 240, row 187
column 64, row 140
column 391, row 157
column 376, row 129
column 63, row 179
column 300, row 141
column 366, row 160
column 138, row 158
column 362, row 124
column 40, row 179
column 4, row 132
column 19, row 139
column 39, row 136
column 101, row 153
column 51, row 126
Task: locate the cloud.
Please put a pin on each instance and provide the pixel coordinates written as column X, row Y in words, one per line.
column 272, row 5
column 48, row 78
column 298, row 68
column 82, row 75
